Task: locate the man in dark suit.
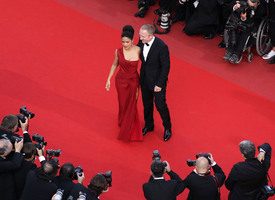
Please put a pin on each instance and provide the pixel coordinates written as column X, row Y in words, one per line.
column 65, row 179
column 247, row 178
column 157, row 187
column 153, row 78
column 204, row 20
column 39, row 183
column 9, row 127
column 9, row 162
column 201, row 183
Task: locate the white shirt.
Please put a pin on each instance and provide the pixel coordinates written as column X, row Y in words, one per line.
column 146, row 48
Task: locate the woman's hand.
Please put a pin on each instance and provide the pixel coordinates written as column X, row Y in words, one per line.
column 108, row 85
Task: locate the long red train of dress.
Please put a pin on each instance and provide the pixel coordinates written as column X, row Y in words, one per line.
column 127, row 83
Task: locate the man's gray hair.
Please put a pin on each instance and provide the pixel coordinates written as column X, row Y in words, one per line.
column 247, row 148
column 149, row 28
column 4, row 146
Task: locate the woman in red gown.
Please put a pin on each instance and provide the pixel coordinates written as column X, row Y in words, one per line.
column 127, row 85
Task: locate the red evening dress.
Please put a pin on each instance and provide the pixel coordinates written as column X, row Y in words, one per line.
column 127, row 83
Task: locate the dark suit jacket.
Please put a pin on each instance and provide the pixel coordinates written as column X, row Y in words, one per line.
column 7, row 135
column 156, row 68
column 20, row 176
column 163, row 190
column 64, row 184
column 247, row 178
column 7, row 168
column 207, row 12
column 36, row 188
column 79, row 187
column 204, row 187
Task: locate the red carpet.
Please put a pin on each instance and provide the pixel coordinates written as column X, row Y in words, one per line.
column 55, row 61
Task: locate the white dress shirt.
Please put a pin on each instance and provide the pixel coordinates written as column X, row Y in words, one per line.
column 146, row 48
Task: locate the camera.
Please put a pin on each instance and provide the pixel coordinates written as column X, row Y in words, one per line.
column 25, row 113
column 266, row 192
column 53, row 153
column 157, row 157
column 191, row 163
column 108, row 177
column 15, row 138
column 182, row 2
column 59, row 194
column 78, row 170
column 82, row 196
column 40, row 141
column 143, row 6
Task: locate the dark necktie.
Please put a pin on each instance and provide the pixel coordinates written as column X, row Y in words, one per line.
column 147, row 44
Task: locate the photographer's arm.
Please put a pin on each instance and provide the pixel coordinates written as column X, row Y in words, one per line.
column 25, row 127
column 232, row 178
column 40, row 153
column 81, row 178
column 265, row 154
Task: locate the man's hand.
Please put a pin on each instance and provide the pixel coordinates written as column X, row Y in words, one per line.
column 243, row 16
column 261, row 156
column 237, row 6
column 40, row 152
column 81, row 178
column 18, row 146
column 211, row 158
column 167, row 168
column 24, row 126
column 157, row 89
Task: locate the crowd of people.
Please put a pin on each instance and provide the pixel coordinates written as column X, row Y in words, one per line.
column 22, row 179
column 246, row 180
column 234, row 20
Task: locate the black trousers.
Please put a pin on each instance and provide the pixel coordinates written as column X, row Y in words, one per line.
column 271, row 6
column 148, row 97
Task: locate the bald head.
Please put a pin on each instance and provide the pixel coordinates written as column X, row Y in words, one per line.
column 202, row 165
column 5, row 147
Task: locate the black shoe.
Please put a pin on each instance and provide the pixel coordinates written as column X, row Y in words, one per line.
column 146, row 130
column 167, row 134
column 209, row 36
column 221, row 44
column 272, row 61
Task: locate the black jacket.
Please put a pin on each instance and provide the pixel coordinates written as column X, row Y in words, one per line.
column 80, row 188
column 156, row 68
column 204, row 187
column 247, row 178
column 7, row 168
column 161, row 189
column 64, row 184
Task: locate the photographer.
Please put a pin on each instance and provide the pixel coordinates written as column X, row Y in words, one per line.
column 243, row 21
column 65, row 179
column 246, row 179
column 97, row 186
column 201, row 183
column 157, row 187
column 39, row 182
column 9, row 126
column 29, row 151
column 9, row 162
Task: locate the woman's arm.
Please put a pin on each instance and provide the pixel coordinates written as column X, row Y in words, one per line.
column 112, row 71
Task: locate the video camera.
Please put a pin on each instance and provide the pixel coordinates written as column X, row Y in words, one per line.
column 191, row 163
column 25, row 113
column 108, row 177
column 143, row 6
column 157, row 157
column 78, row 170
column 40, row 141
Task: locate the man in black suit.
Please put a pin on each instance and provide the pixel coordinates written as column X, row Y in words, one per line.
column 39, row 183
column 29, row 152
column 201, row 183
column 97, row 186
column 247, row 178
column 157, row 187
column 9, row 162
column 154, row 72
column 65, row 179
column 9, row 127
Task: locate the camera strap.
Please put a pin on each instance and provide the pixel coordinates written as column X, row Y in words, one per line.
column 217, row 184
column 267, row 174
